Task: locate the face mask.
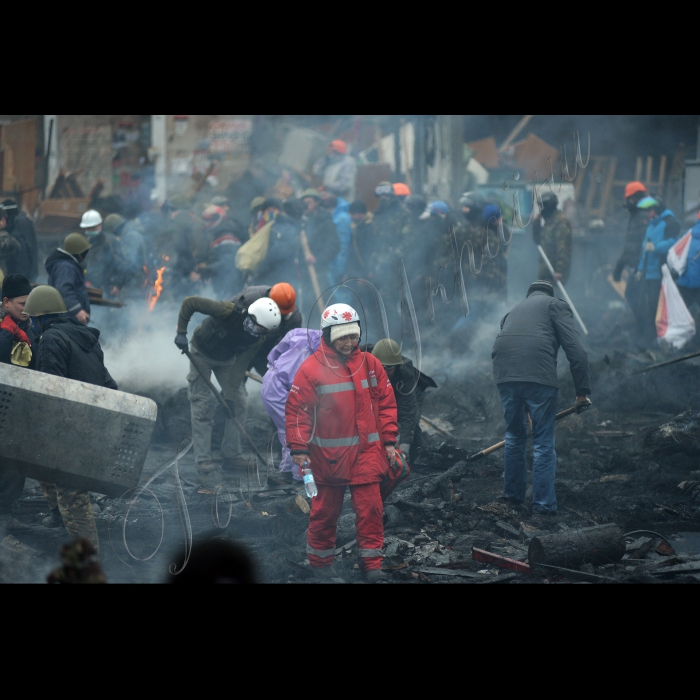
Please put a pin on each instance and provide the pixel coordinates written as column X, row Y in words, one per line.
column 250, row 328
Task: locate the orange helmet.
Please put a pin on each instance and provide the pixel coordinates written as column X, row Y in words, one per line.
column 284, row 296
column 634, row 187
column 339, row 146
column 401, row 190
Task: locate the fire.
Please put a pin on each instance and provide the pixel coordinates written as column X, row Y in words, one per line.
column 157, row 289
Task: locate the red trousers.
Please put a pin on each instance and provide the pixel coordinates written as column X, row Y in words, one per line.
column 323, row 521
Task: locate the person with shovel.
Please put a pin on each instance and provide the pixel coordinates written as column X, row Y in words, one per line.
column 225, row 343
column 525, row 370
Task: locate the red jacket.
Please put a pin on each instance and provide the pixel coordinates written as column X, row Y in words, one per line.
column 342, row 412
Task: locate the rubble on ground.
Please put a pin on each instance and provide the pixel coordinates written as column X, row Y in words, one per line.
column 613, row 466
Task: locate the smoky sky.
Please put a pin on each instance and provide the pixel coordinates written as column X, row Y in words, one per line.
column 619, row 135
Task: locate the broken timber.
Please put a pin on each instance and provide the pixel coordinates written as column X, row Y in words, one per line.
column 601, row 544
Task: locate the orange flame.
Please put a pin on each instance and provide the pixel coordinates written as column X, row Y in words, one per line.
column 157, row 289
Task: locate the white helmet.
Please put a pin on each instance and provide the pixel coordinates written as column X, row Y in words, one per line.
column 90, row 219
column 338, row 314
column 265, row 313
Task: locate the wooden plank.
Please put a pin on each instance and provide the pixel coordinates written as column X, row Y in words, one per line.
column 503, row 562
column 20, row 138
column 74, row 207
column 485, row 152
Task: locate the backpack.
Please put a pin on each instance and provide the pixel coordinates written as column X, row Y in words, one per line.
column 253, row 252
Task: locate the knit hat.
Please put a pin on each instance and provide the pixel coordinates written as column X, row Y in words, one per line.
column 541, row 286
column 344, row 329
column 15, row 286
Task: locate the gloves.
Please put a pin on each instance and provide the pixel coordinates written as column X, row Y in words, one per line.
column 181, row 341
column 582, row 403
column 405, row 447
column 649, row 247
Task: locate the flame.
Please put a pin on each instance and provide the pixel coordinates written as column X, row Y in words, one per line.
column 157, row 289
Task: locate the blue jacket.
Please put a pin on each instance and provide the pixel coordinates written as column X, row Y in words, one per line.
column 342, row 221
column 66, row 275
column 691, row 277
column 662, row 231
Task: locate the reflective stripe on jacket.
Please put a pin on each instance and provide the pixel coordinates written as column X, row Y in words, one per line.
column 342, row 413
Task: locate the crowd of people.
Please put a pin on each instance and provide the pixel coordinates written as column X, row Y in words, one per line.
column 345, row 408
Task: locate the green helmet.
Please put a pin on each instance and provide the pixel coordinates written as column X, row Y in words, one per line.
column 112, row 223
column 44, row 300
column 311, row 192
column 180, row 200
column 76, row 243
column 387, row 351
column 256, row 203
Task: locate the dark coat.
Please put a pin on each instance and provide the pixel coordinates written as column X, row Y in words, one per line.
column 69, row 349
column 25, row 260
column 636, row 229
column 280, row 263
column 531, row 333
column 409, row 384
column 106, row 267
column 243, row 300
column 66, row 275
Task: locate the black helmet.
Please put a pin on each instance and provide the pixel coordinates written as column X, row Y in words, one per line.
column 415, row 203
column 473, row 200
column 549, row 200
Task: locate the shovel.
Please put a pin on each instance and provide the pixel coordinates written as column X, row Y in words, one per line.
column 498, row 445
column 225, row 406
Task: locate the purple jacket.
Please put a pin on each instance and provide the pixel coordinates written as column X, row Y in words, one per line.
column 285, row 359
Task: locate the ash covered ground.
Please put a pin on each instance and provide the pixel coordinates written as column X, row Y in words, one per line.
column 620, row 462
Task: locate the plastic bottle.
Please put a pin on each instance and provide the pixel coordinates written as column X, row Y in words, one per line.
column 309, row 483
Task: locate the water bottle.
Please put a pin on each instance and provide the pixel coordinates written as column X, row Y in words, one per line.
column 309, row 483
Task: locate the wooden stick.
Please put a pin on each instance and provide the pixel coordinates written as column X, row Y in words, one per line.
column 254, row 377
column 498, row 445
column 518, row 128
column 312, row 269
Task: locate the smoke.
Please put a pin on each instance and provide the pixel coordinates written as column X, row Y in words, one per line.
column 138, row 347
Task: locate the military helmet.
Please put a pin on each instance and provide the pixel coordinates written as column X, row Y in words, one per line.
column 44, row 300
column 311, row 192
column 76, row 243
column 387, row 351
column 112, row 223
column 549, row 199
column 256, row 203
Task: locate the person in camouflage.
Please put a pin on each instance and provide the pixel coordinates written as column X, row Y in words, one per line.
column 79, row 564
column 67, row 348
column 492, row 280
column 554, row 237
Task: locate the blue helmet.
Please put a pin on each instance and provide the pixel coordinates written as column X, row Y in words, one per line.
column 439, row 207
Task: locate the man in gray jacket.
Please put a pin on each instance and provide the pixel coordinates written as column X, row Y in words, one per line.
column 525, row 369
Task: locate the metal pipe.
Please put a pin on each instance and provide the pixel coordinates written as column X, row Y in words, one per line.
column 561, row 289
column 667, row 362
